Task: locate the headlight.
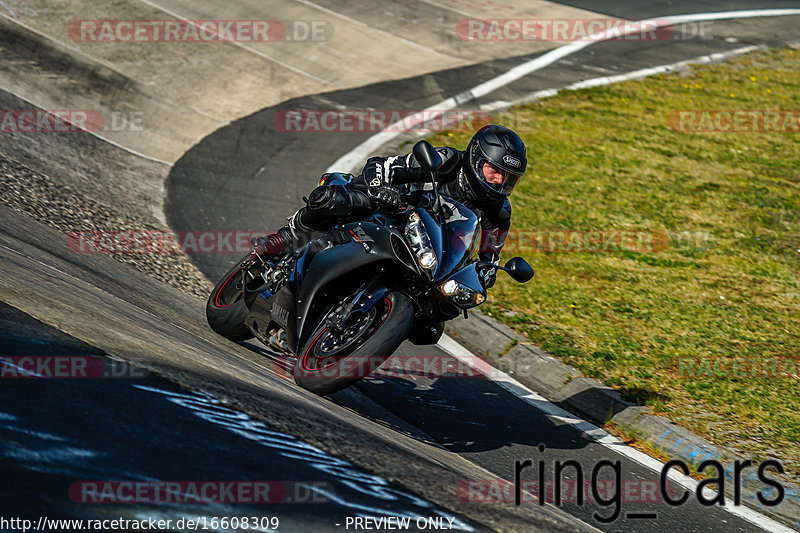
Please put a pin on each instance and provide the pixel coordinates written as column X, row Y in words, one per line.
column 460, row 294
column 417, row 237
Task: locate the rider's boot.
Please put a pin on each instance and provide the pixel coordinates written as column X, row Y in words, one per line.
column 326, row 205
column 271, row 244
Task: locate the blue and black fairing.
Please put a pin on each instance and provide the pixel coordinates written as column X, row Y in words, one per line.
column 345, row 249
column 455, row 241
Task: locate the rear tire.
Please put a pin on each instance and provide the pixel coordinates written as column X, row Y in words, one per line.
column 226, row 310
column 387, row 331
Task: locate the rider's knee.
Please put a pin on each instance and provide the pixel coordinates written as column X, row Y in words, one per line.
column 330, row 200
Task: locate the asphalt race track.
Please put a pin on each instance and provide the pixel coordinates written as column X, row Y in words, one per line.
column 51, row 449
column 166, row 400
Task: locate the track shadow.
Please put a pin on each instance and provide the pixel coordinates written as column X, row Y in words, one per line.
column 466, row 414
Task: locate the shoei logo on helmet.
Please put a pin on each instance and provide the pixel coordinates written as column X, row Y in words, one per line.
column 513, row 161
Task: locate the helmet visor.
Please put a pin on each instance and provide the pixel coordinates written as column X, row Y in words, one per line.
column 500, row 179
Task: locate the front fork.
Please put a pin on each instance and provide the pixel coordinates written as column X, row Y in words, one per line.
column 269, row 279
column 367, row 295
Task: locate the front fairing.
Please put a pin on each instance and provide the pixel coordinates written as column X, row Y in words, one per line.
column 456, row 240
column 471, row 276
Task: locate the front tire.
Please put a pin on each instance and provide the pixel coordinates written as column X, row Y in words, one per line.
column 226, row 310
column 322, row 370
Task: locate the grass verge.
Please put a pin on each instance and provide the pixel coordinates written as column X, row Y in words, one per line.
column 693, row 306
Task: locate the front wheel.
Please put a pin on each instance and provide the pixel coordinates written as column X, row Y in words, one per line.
column 226, row 310
column 333, row 360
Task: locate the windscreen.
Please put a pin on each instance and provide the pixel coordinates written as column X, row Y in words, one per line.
column 461, row 234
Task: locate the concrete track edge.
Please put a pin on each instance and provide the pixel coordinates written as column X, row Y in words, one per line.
column 563, row 385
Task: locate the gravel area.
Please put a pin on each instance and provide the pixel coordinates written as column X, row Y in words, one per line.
column 67, row 210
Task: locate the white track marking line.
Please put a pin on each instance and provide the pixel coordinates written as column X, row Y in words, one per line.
column 94, row 133
column 72, row 49
column 633, row 75
column 350, row 161
column 92, row 287
column 597, row 434
column 268, row 373
column 92, row 59
column 450, row 8
column 251, row 50
column 373, row 28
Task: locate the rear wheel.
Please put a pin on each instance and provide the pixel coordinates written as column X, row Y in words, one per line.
column 333, row 359
column 226, row 310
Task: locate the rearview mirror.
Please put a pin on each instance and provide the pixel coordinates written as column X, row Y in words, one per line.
column 519, row 269
column 427, row 156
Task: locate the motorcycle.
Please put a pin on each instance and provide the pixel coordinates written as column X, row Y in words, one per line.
column 346, row 301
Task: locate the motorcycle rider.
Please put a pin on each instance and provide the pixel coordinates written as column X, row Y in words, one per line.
column 481, row 177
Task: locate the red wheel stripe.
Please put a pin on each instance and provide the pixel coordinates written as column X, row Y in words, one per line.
column 305, row 355
column 216, row 297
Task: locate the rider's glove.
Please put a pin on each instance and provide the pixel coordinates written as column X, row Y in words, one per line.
column 488, row 274
column 385, row 198
column 372, row 175
column 490, row 278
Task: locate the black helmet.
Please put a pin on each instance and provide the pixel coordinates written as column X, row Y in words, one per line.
column 504, row 152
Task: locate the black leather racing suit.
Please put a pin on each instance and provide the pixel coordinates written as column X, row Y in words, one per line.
column 404, row 175
column 331, row 204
